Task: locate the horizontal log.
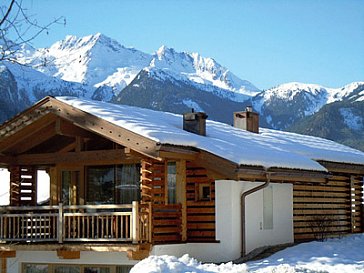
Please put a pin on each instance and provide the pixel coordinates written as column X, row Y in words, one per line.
column 166, row 230
column 203, row 210
column 329, row 211
column 319, row 188
column 166, row 238
column 167, row 222
column 322, row 205
column 318, row 200
column 310, row 224
column 200, row 218
column 86, row 157
column 201, row 226
column 320, row 194
column 197, row 233
column 195, row 172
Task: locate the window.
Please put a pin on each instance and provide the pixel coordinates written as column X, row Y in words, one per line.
column 117, row 184
column 76, row 268
column 35, row 268
column 204, row 192
column 70, row 187
column 268, row 207
column 172, row 182
column 128, row 183
column 96, row 269
column 67, row 269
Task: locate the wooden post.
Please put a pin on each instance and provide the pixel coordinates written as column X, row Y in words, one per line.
column 135, row 222
column 60, row 223
column 150, row 223
column 352, row 203
column 4, row 255
column 181, row 193
column 3, row 265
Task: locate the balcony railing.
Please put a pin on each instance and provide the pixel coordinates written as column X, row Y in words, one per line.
column 80, row 223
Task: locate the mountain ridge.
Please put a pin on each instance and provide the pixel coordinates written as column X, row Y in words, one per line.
column 100, row 68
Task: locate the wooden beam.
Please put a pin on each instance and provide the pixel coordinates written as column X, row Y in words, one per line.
column 105, row 247
column 7, row 160
column 343, row 167
column 8, row 254
column 33, row 140
column 21, row 134
column 106, row 129
column 175, row 152
column 99, row 157
column 68, row 254
column 218, row 166
column 66, row 128
column 25, row 118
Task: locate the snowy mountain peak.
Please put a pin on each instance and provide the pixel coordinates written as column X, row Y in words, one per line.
column 202, row 71
column 99, row 61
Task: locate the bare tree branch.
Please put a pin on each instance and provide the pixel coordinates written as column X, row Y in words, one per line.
column 22, row 27
column 7, row 12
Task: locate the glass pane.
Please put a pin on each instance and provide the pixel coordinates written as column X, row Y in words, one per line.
column 268, row 207
column 123, row 268
column 66, row 187
column 128, row 183
column 35, row 268
column 97, row 270
column 70, row 187
column 100, row 185
column 67, row 269
column 171, row 171
column 43, row 187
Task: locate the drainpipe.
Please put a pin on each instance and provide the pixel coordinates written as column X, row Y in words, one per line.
column 242, row 204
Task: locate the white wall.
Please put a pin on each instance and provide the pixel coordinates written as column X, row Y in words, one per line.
column 86, row 257
column 228, row 223
column 282, row 231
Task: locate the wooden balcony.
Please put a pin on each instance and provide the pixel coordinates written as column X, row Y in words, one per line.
column 80, row 223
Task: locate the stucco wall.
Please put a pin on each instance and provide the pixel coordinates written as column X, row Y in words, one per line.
column 86, row 257
column 228, row 223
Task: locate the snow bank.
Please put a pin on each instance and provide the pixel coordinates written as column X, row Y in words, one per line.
column 167, row 264
column 333, row 256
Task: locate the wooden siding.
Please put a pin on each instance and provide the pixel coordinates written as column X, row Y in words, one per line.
column 338, row 203
column 200, row 213
column 23, row 186
column 167, row 218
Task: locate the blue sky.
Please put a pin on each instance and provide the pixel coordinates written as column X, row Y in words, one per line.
column 266, row 42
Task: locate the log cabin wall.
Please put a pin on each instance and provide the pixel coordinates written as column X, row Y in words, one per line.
column 168, row 219
column 201, row 225
column 166, row 224
column 336, row 206
column 23, row 186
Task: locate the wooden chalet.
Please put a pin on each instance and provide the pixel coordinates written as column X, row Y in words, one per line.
column 115, row 189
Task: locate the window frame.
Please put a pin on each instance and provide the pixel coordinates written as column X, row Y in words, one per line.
column 52, row 266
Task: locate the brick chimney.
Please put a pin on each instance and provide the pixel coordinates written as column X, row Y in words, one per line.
column 247, row 120
column 195, row 122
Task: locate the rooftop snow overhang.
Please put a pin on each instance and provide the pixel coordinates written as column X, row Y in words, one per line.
column 51, row 106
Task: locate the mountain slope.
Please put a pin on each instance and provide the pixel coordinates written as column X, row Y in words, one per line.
column 175, row 96
column 341, row 121
column 282, row 106
column 21, row 86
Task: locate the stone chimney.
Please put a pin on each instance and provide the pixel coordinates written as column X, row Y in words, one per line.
column 247, row 120
column 195, row 122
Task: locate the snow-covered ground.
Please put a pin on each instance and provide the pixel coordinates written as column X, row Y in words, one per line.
column 345, row 255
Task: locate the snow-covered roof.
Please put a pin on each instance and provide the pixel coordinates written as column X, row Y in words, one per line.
column 269, row 148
